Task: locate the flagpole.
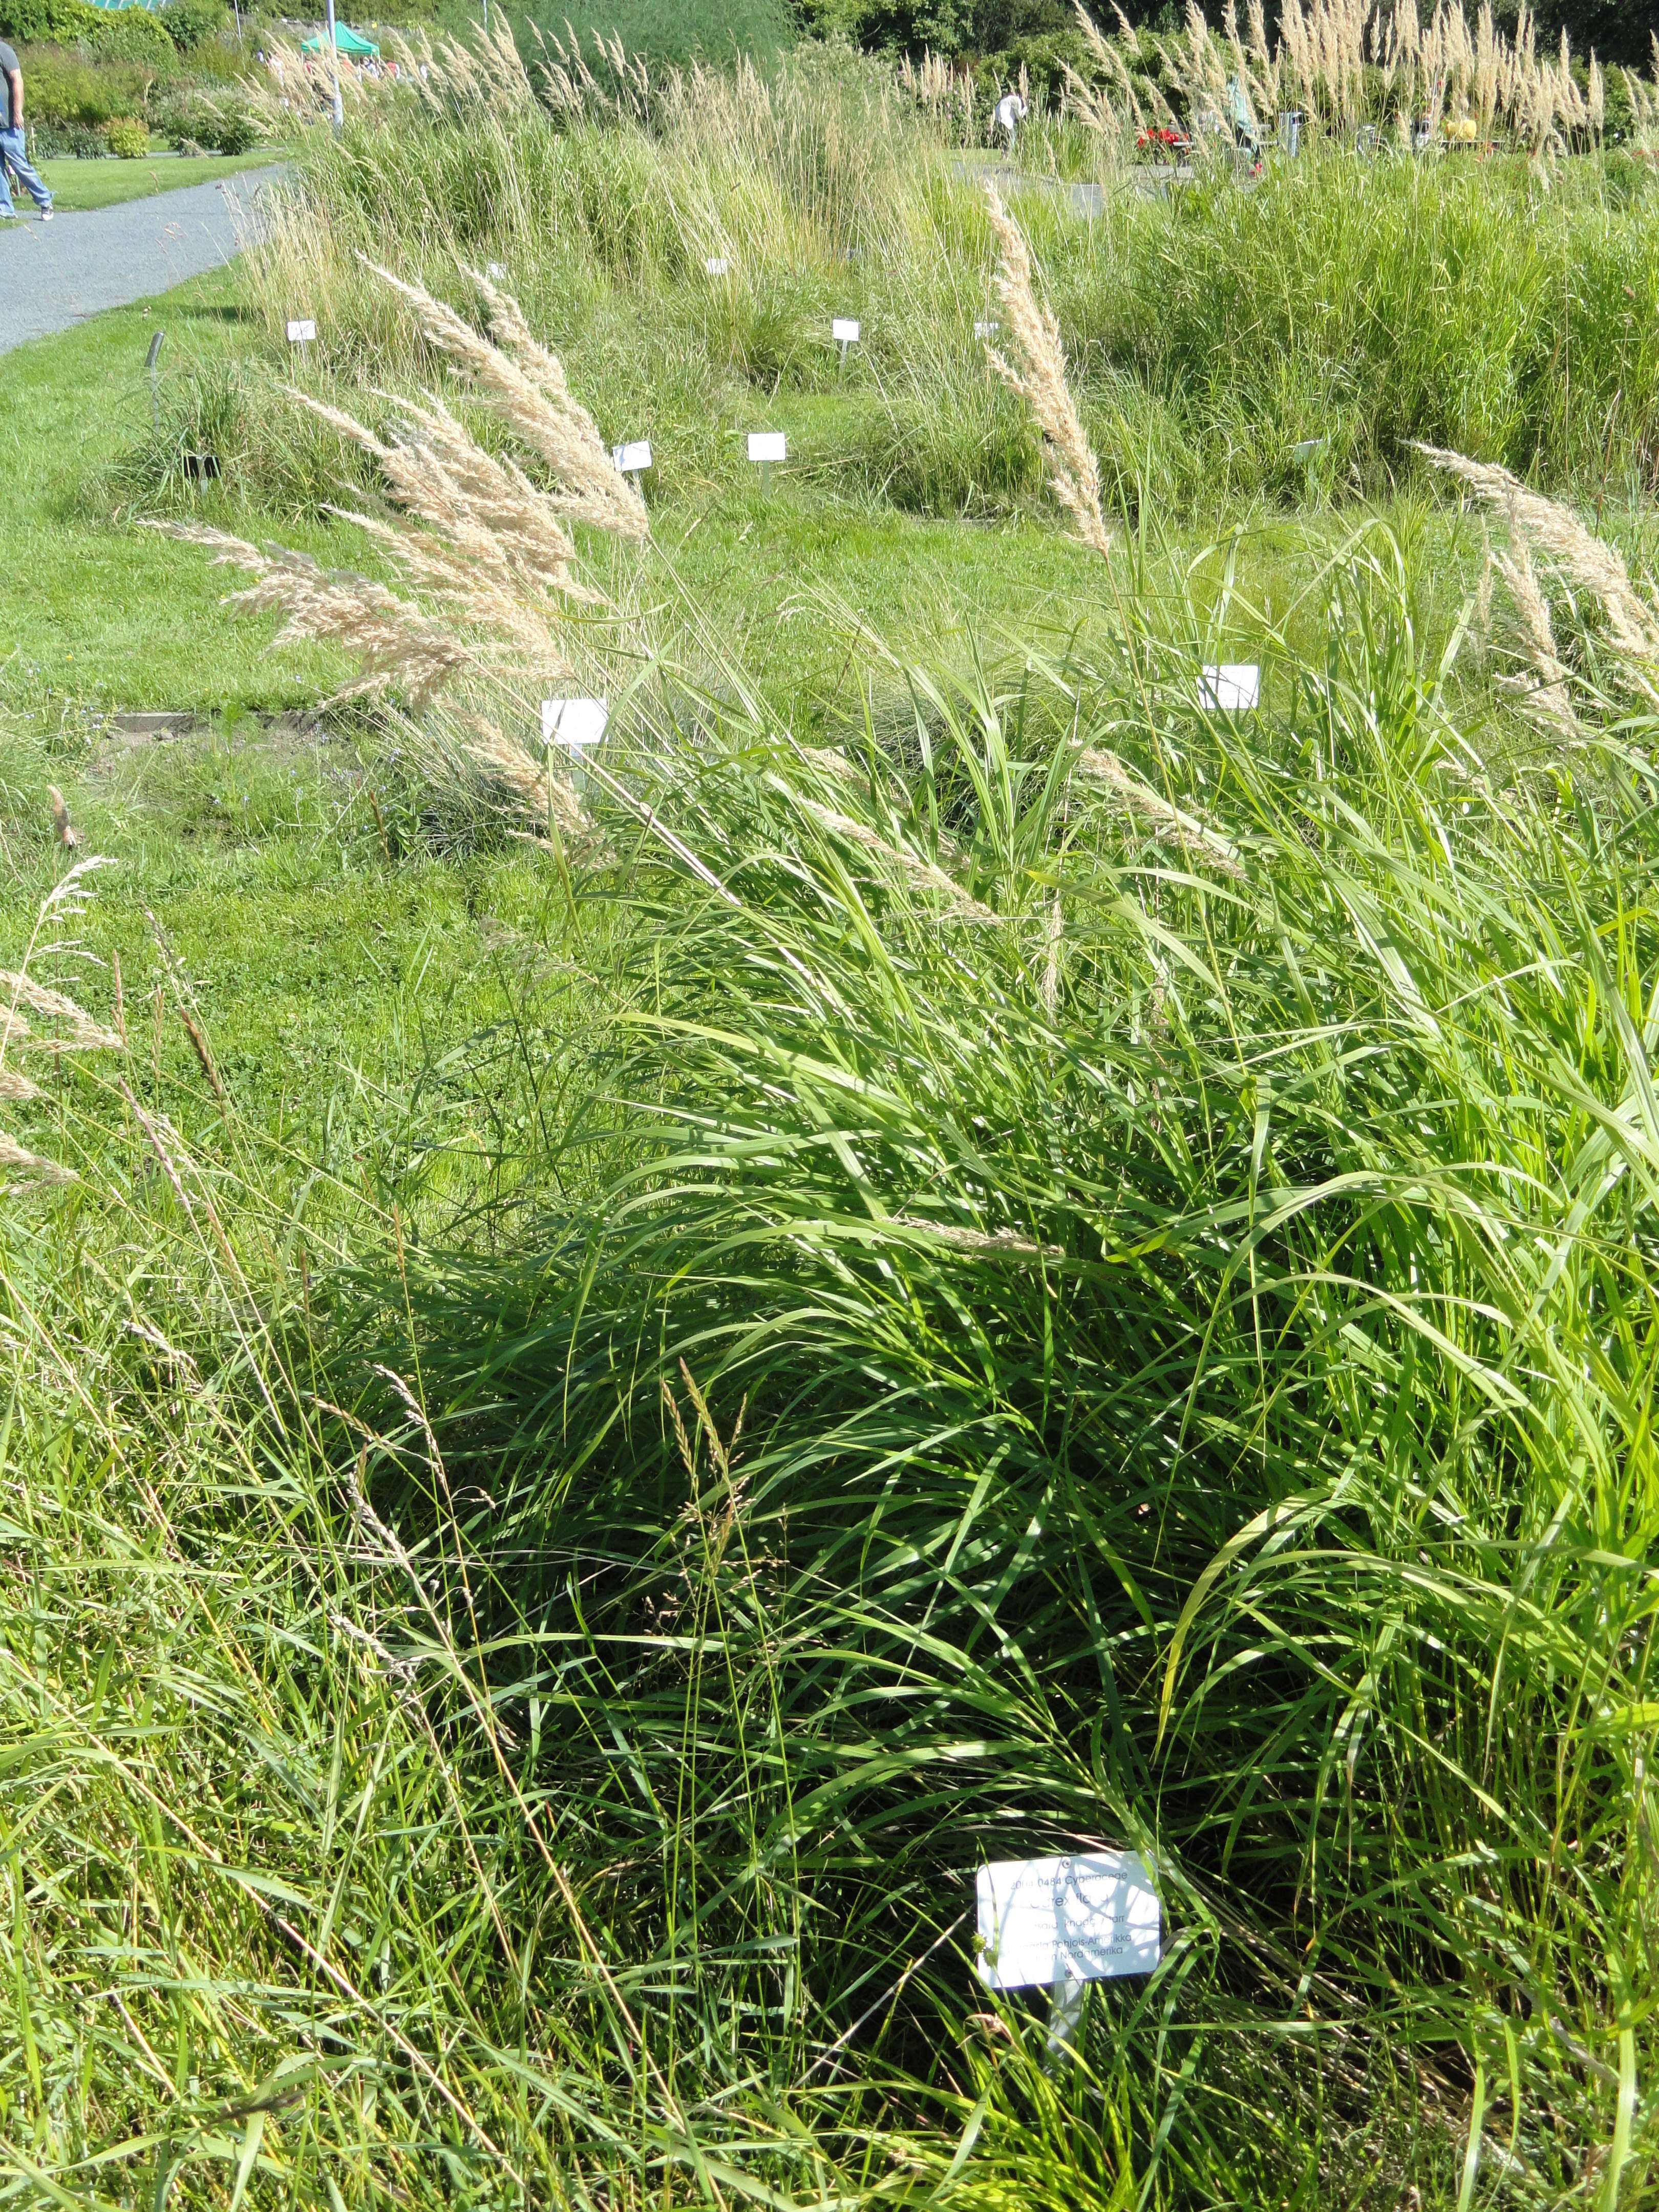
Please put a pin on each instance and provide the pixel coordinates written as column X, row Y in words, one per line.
column 334, row 52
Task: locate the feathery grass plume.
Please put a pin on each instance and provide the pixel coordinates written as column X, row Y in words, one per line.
column 79, row 1031
column 1005, row 1242
column 488, row 509
column 501, row 65
column 1052, row 940
column 1548, row 699
column 492, row 551
column 1093, row 104
column 1166, row 819
column 1589, row 561
column 1040, row 380
column 292, row 90
column 572, row 88
column 530, row 393
column 925, row 874
column 392, row 640
column 14, row 1155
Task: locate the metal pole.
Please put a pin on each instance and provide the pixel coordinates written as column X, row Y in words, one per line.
column 334, row 55
column 154, row 404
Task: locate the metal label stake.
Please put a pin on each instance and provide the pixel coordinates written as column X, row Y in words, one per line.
column 150, row 363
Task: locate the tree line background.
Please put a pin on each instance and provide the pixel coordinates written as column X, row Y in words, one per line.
column 1042, row 33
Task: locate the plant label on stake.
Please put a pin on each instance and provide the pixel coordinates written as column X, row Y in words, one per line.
column 1306, row 448
column 301, row 329
column 629, row 458
column 845, row 331
column 987, row 328
column 1085, row 1919
column 574, row 723
column 1058, row 1923
column 494, row 270
column 718, row 264
column 766, row 446
column 1234, row 687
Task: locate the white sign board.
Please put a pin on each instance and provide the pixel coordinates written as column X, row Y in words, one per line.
column 766, row 446
column 844, row 330
column 572, row 722
column 717, row 265
column 301, row 332
column 631, row 457
column 987, row 328
column 1234, row 687
column 1043, row 1921
column 1305, row 448
column 495, row 270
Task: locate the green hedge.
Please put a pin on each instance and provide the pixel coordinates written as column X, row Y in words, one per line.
column 191, row 23
column 115, row 33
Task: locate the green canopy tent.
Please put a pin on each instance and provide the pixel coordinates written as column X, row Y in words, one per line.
column 346, row 41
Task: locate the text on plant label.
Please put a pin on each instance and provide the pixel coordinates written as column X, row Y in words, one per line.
column 1084, row 1919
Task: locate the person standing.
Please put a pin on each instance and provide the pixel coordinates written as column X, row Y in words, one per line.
column 1009, row 114
column 14, row 148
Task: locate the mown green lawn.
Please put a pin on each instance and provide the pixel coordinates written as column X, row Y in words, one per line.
column 108, row 614
column 332, row 967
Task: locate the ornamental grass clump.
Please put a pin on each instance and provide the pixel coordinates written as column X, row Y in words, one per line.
column 35, row 1018
column 484, row 555
column 1174, row 1341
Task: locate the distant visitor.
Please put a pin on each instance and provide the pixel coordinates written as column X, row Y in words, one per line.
column 14, row 149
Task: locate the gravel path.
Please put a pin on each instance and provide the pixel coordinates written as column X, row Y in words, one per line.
column 55, row 274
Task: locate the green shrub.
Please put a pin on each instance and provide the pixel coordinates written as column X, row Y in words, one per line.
column 132, row 34
column 129, row 138
column 64, row 89
column 47, row 22
column 223, row 131
column 193, row 23
column 78, row 142
column 109, row 33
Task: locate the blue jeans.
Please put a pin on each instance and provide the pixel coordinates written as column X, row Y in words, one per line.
column 13, row 149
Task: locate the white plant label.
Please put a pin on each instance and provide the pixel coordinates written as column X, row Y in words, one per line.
column 987, row 328
column 844, row 330
column 718, row 264
column 301, row 330
column 1043, row 1921
column 573, row 723
column 766, row 446
column 1305, row 448
column 1234, row 687
column 494, row 270
column 630, row 459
